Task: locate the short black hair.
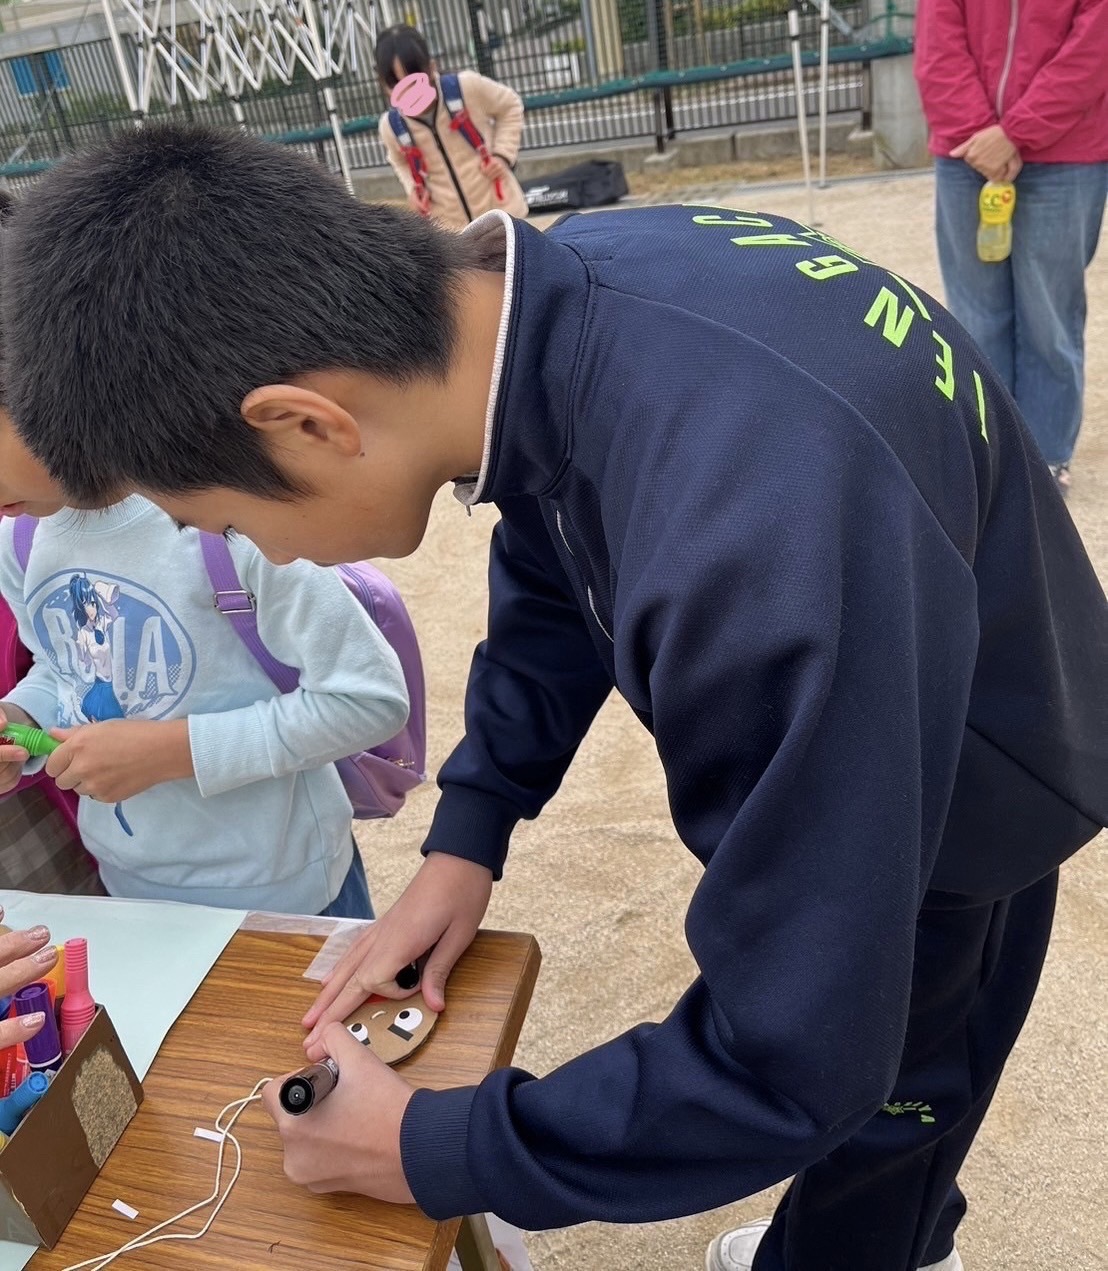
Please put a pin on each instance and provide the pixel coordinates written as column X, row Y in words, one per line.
column 7, row 207
column 406, row 44
column 152, row 283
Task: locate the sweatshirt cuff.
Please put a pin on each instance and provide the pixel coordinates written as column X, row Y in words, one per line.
column 474, row 825
column 433, row 1152
column 38, row 702
column 228, row 750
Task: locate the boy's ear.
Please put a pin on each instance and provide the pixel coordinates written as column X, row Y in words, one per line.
column 300, row 417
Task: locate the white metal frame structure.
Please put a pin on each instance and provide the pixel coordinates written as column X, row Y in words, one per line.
column 242, row 44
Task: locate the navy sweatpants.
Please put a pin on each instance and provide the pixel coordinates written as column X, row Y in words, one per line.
column 888, row 1199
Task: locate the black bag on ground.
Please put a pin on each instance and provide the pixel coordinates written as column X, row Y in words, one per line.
column 592, row 184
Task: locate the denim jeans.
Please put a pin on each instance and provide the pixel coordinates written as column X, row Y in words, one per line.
column 353, row 898
column 1027, row 313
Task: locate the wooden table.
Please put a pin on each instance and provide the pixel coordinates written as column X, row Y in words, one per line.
column 243, row 1024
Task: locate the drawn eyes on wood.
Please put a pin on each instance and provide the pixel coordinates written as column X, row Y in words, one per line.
column 392, row 1030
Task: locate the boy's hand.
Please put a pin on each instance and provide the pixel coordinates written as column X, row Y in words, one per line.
column 12, row 757
column 115, row 760
column 351, row 1141
column 441, row 909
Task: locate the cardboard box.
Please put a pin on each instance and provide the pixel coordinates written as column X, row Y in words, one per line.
column 51, row 1160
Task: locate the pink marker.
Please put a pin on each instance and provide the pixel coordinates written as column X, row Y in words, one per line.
column 78, row 1008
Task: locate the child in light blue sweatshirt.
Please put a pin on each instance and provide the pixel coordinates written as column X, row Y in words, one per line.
column 229, row 788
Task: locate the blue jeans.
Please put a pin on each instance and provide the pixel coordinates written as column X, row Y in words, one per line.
column 353, row 898
column 1027, row 313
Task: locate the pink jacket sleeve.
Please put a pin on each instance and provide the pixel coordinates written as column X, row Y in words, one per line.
column 1066, row 86
column 953, row 94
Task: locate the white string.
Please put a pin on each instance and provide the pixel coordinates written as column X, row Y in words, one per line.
column 150, row 1237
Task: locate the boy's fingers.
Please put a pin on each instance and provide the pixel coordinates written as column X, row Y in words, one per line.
column 439, row 965
column 352, row 956
column 323, row 1002
column 348, row 998
column 337, row 977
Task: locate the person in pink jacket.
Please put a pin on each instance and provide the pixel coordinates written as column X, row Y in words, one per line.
column 1017, row 90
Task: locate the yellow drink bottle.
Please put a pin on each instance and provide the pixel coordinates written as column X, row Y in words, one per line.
column 995, row 206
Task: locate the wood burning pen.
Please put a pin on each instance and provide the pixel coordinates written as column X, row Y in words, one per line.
column 305, row 1088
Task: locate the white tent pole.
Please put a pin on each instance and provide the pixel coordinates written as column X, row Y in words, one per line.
column 121, row 60
column 324, row 70
column 801, row 113
column 824, row 52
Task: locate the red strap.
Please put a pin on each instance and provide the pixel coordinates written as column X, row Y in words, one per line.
column 461, row 122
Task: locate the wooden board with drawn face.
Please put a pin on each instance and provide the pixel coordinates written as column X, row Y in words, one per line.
column 392, row 1029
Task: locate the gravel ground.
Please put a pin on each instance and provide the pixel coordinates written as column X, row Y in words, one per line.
column 603, row 882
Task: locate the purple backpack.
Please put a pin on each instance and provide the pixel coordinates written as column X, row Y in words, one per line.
column 377, row 781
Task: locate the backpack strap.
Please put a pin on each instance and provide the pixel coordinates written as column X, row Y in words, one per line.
column 23, row 535
column 452, row 95
column 400, row 129
column 239, row 607
column 461, row 121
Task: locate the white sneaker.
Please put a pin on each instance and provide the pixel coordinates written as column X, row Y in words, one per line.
column 735, row 1250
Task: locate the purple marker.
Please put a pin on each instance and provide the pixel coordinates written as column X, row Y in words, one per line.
column 44, row 1050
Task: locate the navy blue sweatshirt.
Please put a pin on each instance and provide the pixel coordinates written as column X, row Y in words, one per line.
column 774, row 496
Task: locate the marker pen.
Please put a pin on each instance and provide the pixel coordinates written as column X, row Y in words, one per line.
column 78, row 1009
column 34, row 741
column 306, row 1087
column 44, row 1050
column 7, row 1072
column 39, row 744
column 16, row 1106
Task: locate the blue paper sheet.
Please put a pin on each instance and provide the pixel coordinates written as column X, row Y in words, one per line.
column 164, row 950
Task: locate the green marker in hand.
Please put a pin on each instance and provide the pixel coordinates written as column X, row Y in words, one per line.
column 38, row 745
column 33, row 740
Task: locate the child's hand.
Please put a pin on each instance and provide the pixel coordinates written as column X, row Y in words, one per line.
column 120, row 758
column 420, row 201
column 441, row 908
column 495, row 169
column 12, row 758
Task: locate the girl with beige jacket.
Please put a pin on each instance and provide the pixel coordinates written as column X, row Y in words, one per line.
column 457, row 186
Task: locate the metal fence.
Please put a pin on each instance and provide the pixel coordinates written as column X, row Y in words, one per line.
column 605, row 70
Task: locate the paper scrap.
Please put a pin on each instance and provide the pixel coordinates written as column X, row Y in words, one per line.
column 213, row 1135
column 335, row 946
column 126, row 1210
